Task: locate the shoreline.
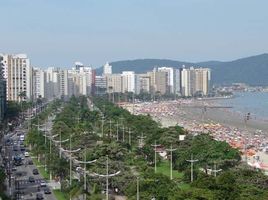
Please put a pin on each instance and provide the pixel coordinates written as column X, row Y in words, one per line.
column 222, row 123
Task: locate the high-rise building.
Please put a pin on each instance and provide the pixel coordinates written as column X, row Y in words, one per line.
column 39, row 83
column 158, row 82
column 128, row 82
column 18, row 75
column 195, row 82
column 107, row 69
column 101, row 85
column 170, row 78
column 143, row 83
column 52, row 89
column 2, row 91
column 114, row 83
column 177, row 81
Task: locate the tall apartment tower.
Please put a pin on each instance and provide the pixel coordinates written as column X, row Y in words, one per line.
column 170, row 78
column 18, row 75
column 128, row 81
column 2, row 91
column 107, row 69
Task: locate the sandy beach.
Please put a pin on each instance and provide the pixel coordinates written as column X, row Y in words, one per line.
column 221, row 122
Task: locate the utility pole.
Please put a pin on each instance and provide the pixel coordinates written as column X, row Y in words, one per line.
column 123, row 133
column 171, row 168
column 133, row 100
column 138, row 189
column 246, row 119
column 141, row 138
column 110, row 133
column 102, row 124
column 117, row 136
column 215, row 170
column 192, row 161
column 155, row 146
column 129, row 136
column 85, row 174
column 107, row 175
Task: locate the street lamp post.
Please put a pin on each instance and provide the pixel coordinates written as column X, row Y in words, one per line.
column 171, row 169
column 107, row 175
column 102, row 125
column 141, row 138
column 155, row 146
column 129, row 136
column 215, row 170
column 85, row 175
column 117, row 136
column 138, row 189
column 192, row 161
column 246, row 119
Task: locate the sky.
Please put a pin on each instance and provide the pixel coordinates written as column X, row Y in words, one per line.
column 60, row 32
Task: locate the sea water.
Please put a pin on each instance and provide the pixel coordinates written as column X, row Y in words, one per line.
column 255, row 103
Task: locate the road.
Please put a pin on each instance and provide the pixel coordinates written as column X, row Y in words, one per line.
column 18, row 184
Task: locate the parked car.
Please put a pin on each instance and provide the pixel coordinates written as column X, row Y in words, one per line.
column 35, row 171
column 39, row 196
column 31, row 179
column 30, row 162
column 26, row 154
column 47, row 191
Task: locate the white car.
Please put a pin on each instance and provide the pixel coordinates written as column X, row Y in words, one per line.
column 26, row 154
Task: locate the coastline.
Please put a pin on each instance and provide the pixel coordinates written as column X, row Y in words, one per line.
column 221, row 122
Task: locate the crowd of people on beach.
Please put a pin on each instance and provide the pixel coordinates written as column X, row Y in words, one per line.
column 178, row 112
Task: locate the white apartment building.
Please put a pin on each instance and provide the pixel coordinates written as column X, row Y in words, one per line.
column 128, row 81
column 18, row 74
column 52, row 83
column 39, row 83
column 107, row 69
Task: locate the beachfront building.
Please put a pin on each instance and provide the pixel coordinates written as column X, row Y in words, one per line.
column 170, row 78
column 142, row 83
column 128, row 81
column 158, row 82
column 2, row 91
column 114, row 83
column 18, row 74
column 195, row 82
column 177, row 81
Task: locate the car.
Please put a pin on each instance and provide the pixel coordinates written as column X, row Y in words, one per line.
column 30, row 162
column 43, row 183
column 15, row 148
column 14, row 169
column 31, row 179
column 35, row 171
column 39, row 196
column 47, row 190
column 26, row 154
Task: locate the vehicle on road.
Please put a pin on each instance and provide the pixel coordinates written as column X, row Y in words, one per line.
column 43, row 183
column 35, row 171
column 26, row 154
column 30, row 162
column 39, row 196
column 47, row 191
column 31, row 179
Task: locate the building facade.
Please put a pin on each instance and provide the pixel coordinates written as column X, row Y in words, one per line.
column 18, row 75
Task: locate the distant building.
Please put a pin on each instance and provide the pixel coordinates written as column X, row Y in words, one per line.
column 177, row 81
column 101, row 85
column 114, row 83
column 39, row 83
column 158, row 82
column 18, row 75
column 2, row 91
column 195, row 82
column 170, row 78
column 143, row 83
column 128, row 81
column 107, row 69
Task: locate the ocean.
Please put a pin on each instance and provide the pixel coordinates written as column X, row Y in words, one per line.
column 255, row 103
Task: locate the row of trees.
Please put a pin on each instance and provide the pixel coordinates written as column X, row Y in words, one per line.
column 85, row 128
